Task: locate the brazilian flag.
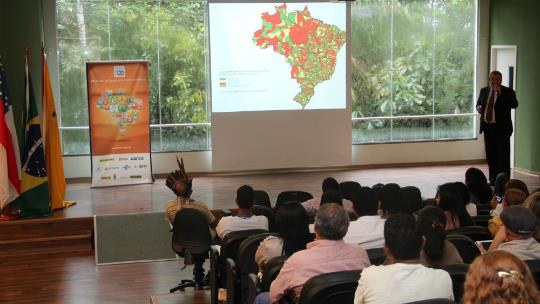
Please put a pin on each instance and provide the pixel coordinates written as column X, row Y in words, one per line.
column 34, row 198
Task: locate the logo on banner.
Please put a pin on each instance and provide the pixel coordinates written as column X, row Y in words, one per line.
column 120, row 71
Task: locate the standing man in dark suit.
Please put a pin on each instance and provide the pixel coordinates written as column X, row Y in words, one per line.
column 494, row 105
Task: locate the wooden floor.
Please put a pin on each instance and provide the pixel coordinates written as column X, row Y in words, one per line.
column 218, row 192
column 74, row 278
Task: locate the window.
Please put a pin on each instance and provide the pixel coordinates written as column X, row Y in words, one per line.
column 413, row 70
column 172, row 35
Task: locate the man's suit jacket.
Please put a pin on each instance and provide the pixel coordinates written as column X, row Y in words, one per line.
column 505, row 102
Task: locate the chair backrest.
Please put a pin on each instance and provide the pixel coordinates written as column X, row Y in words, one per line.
column 334, row 287
column 482, row 220
column 231, row 242
column 261, row 198
column 245, row 262
column 376, row 256
column 214, row 274
column 534, row 266
column 476, row 233
column 268, row 213
column 457, row 272
column 433, row 301
column 245, row 258
column 287, row 196
column 190, row 231
column 271, row 271
column 466, row 247
column 348, row 188
column 483, row 209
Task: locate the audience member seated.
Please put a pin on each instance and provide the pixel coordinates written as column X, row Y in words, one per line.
column 390, row 199
column 410, row 199
column 181, row 185
column 292, row 226
column 498, row 191
column 463, row 192
column 328, row 184
column 368, row 229
column 331, row 196
column 453, row 206
column 517, row 184
column 437, row 251
column 329, row 253
column 244, row 220
column 478, row 186
column 533, row 202
column 512, row 197
column 515, row 236
column 499, row 277
column 403, row 279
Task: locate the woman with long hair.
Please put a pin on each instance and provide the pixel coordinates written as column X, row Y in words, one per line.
column 478, row 186
column 500, row 277
column 449, row 200
column 437, row 250
column 292, row 224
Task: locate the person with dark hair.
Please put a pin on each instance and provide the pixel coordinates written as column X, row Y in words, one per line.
column 463, row 192
column 180, row 184
column 478, row 186
column 244, row 219
column 389, row 198
column 533, row 203
column 437, row 250
column 453, row 206
column 517, row 184
column 410, row 199
column 328, row 184
column 292, row 226
column 331, row 196
column 368, row 229
column 495, row 103
column 512, row 197
column 329, row 253
column 403, row 279
column 515, row 236
column 499, row 277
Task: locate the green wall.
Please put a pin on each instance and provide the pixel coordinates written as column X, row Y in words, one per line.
column 518, row 23
column 20, row 27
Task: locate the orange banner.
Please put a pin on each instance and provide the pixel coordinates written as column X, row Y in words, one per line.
column 119, row 108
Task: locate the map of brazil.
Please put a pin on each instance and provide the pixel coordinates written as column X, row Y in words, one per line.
column 309, row 45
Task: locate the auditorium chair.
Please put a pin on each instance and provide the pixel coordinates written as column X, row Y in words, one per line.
column 271, row 271
column 465, row 246
column 534, row 267
column 482, row 220
column 238, row 270
column 287, row 196
column 348, row 188
column 218, row 258
column 376, row 256
column 191, row 240
column 457, row 274
column 268, row 213
column 483, row 209
column 476, row 233
column 334, row 287
column 262, row 198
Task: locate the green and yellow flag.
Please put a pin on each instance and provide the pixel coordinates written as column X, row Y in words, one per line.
column 53, row 150
column 34, row 198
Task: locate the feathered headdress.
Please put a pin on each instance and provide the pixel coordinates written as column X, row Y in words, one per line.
column 179, row 176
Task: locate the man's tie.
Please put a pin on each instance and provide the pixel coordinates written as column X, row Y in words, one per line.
column 489, row 109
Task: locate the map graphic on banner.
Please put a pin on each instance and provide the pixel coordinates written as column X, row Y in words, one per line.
column 309, row 45
column 274, row 56
column 118, row 97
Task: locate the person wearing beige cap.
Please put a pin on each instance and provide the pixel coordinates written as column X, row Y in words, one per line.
column 515, row 236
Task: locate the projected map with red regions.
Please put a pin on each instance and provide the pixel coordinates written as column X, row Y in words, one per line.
column 309, row 45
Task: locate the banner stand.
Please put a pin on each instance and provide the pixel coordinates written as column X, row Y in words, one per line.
column 119, row 115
